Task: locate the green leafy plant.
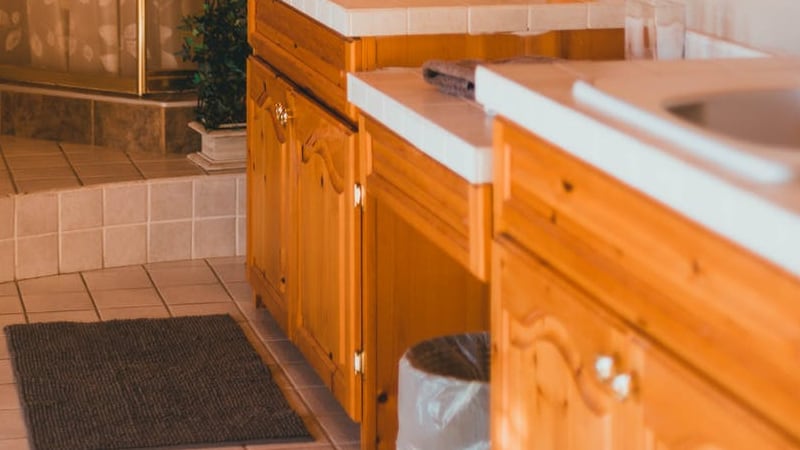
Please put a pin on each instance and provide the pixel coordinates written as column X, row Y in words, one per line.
column 216, row 40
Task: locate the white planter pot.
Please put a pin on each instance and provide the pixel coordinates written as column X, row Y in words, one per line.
column 221, row 149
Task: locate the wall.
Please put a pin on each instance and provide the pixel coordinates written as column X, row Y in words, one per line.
column 769, row 25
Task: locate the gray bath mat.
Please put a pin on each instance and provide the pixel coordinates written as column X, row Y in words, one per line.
column 146, row 383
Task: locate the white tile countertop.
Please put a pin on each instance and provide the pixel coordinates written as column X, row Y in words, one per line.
column 453, row 131
column 750, row 196
column 403, row 17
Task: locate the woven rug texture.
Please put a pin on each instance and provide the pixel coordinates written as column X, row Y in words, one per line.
column 146, row 383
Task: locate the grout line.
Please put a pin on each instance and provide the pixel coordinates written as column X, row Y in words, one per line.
column 69, row 162
column 22, row 301
column 157, row 289
column 10, row 173
column 91, row 297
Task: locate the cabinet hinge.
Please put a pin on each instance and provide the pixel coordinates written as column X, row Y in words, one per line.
column 357, row 195
column 358, row 362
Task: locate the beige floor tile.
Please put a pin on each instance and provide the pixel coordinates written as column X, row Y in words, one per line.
column 231, row 273
column 194, row 293
column 6, row 371
column 222, row 260
column 116, row 169
column 9, row 399
column 135, row 312
column 181, row 274
column 57, row 301
column 117, row 278
column 205, row 309
column 3, row 350
column 317, row 445
column 106, row 179
column 12, row 425
column 240, row 291
column 56, row 283
column 23, row 161
column 302, row 376
column 320, row 401
column 10, row 319
column 120, row 298
column 10, row 304
column 9, row 288
column 340, row 429
column 14, row 444
column 67, row 316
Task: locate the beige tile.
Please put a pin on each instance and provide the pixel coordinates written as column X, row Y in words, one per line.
column 6, row 187
column 7, row 265
column 437, row 20
column 37, row 256
column 135, row 312
column 302, row 376
column 340, row 428
column 12, row 425
column 230, row 272
column 227, row 260
column 125, row 246
column 81, row 250
column 14, row 444
column 561, row 16
column 181, row 273
column 320, row 400
column 241, row 236
column 6, row 217
column 117, row 278
column 10, row 304
column 171, row 200
column 316, row 445
column 7, row 289
column 493, row 19
column 168, row 168
column 205, row 309
column 22, row 161
column 18, row 144
column 10, row 319
column 170, row 241
column 125, row 204
column 105, row 179
column 240, row 291
column 214, row 237
column 64, row 316
column 81, row 209
column 37, row 214
column 115, row 169
column 29, row 186
column 204, row 293
column 43, row 173
column 6, row 371
column 241, row 196
column 606, row 14
column 3, row 349
column 8, row 397
column 56, row 283
column 60, row 301
column 120, row 298
column 215, row 196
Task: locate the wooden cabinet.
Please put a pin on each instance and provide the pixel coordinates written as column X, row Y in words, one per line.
column 304, row 227
column 327, row 319
column 268, row 188
column 590, row 283
column 425, row 242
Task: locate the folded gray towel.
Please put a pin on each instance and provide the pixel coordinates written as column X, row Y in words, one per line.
column 458, row 77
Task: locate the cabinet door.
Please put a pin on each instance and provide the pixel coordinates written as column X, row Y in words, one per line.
column 268, row 190
column 327, row 310
column 546, row 392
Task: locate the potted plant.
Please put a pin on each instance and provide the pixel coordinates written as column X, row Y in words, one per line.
column 216, row 40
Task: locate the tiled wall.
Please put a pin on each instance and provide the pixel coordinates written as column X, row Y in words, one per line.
column 121, row 224
column 769, row 25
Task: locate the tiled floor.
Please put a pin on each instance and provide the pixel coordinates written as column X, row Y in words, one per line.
column 208, row 286
column 30, row 165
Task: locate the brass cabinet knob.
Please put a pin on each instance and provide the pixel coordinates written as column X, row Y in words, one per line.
column 282, row 114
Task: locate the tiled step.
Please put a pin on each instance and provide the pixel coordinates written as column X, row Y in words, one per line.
column 164, row 210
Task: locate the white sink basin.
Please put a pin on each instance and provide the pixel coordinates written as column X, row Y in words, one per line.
column 748, row 124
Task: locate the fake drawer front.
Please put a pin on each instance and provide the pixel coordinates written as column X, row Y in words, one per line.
column 676, row 281
column 313, row 56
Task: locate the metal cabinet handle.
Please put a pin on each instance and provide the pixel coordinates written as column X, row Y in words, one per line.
column 621, row 385
column 604, row 367
column 282, row 114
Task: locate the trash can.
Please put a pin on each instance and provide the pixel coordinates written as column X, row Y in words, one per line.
column 443, row 394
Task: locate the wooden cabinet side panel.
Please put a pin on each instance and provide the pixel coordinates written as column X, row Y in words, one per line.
column 418, row 292
column 674, row 280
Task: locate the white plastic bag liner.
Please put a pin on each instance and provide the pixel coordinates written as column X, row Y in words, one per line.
column 443, row 394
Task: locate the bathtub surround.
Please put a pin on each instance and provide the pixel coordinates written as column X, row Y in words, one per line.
column 123, row 122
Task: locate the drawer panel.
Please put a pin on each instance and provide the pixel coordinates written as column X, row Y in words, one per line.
column 442, row 205
column 672, row 279
column 313, row 56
